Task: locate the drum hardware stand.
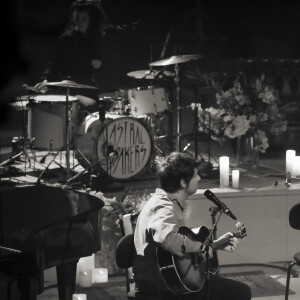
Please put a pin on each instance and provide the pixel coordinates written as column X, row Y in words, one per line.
column 89, row 168
column 178, row 109
column 154, row 131
column 24, row 141
column 109, row 182
column 40, row 176
column 68, row 119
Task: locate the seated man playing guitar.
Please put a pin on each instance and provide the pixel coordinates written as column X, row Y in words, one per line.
column 169, row 259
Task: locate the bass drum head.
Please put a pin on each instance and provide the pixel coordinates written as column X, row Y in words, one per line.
column 124, row 147
column 120, row 146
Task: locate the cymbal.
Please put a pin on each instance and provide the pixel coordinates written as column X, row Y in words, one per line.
column 71, row 84
column 148, row 74
column 175, row 59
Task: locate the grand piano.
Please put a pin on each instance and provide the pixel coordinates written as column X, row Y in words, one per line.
column 42, row 227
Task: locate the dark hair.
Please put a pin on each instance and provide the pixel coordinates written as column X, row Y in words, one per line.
column 97, row 15
column 174, row 168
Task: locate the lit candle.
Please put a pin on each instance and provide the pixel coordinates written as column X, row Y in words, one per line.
column 235, row 178
column 100, row 275
column 290, row 161
column 79, row 297
column 297, row 166
column 224, row 171
column 85, row 263
column 85, row 278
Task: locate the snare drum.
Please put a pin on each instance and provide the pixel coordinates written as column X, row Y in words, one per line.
column 147, row 100
column 47, row 121
column 120, row 146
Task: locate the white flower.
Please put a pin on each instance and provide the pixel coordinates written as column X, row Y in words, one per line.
column 238, row 127
column 227, row 118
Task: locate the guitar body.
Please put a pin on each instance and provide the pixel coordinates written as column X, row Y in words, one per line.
column 186, row 274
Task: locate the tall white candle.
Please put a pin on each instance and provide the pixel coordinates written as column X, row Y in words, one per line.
column 290, row 161
column 79, row 297
column 100, row 275
column 235, row 179
column 297, row 166
column 224, row 171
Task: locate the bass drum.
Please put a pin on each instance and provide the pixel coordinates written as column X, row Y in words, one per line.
column 119, row 146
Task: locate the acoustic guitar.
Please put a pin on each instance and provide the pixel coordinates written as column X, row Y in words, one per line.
column 187, row 274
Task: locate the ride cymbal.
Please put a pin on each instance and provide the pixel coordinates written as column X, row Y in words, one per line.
column 71, row 84
column 149, row 74
column 175, row 59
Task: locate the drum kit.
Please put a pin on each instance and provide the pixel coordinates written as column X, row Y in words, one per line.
column 120, row 143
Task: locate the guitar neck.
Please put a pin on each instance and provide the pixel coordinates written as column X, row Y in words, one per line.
column 225, row 241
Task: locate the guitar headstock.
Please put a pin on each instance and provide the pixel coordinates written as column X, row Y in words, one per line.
column 241, row 231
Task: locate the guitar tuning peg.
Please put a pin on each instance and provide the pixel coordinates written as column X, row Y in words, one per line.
column 239, row 224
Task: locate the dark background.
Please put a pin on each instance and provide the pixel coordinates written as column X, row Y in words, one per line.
column 217, row 30
column 223, row 32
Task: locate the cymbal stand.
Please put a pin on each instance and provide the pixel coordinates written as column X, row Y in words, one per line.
column 178, row 109
column 159, row 145
column 25, row 144
column 68, row 119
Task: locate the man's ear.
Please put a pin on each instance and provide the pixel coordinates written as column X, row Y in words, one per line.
column 183, row 183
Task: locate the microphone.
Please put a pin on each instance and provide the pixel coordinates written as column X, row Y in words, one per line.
column 212, row 197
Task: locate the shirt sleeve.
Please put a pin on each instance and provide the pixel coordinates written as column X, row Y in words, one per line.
column 164, row 228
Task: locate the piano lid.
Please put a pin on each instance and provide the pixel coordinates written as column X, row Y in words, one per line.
column 65, row 223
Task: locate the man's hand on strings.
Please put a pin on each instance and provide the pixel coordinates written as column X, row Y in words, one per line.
column 233, row 242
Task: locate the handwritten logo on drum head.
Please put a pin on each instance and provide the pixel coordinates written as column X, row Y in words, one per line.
column 131, row 144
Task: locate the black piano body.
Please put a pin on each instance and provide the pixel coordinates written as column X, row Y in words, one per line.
column 49, row 227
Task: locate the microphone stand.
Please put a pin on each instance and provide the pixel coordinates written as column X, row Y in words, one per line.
column 205, row 248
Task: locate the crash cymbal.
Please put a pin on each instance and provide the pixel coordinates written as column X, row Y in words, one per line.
column 71, row 84
column 175, row 59
column 149, row 74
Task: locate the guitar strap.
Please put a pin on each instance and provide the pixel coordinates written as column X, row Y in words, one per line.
column 178, row 204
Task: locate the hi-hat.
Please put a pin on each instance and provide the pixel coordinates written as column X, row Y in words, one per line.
column 148, row 74
column 175, row 59
column 71, row 84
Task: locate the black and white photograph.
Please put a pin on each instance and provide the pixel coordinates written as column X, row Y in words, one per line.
column 150, row 150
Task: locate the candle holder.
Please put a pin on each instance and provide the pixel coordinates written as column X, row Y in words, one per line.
column 100, row 275
column 85, row 278
column 79, row 297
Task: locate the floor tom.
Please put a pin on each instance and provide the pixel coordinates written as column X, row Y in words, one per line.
column 47, row 121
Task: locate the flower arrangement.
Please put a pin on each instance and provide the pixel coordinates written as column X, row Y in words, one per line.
column 249, row 112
